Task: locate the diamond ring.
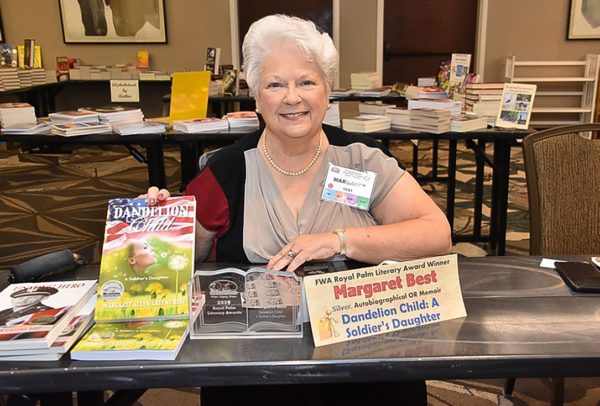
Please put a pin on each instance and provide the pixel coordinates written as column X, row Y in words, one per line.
column 291, row 254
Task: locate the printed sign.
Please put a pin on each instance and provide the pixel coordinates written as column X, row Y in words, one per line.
column 124, row 91
column 363, row 302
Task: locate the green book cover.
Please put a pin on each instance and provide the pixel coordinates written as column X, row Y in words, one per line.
column 147, row 260
column 157, row 340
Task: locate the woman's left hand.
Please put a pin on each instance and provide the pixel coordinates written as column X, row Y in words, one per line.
column 304, row 248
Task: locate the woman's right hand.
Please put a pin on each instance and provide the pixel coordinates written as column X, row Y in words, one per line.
column 155, row 195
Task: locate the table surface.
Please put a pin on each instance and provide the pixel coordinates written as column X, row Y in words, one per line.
column 522, row 321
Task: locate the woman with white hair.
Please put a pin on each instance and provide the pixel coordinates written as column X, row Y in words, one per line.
column 298, row 190
column 265, row 199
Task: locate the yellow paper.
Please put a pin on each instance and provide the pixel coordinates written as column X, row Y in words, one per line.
column 189, row 95
column 363, row 302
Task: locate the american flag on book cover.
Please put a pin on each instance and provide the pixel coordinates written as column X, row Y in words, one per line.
column 132, row 218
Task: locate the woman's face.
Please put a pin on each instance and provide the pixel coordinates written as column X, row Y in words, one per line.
column 292, row 96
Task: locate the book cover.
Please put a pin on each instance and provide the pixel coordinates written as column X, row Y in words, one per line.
column 213, row 59
column 147, row 259
column 229, row 81
column 516, row 104
column 459, row 69
column 252, row 303
column 148, row 340
column 76, row 327
column 143, row 60
column 189, row 95
column 32, row 315
column 8, row 56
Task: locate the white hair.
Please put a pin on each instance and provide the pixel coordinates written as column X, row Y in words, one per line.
column 272, row 30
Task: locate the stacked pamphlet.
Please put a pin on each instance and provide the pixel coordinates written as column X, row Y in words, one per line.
column 366, row 123
column 468, row 122
column 365, row 80
column 73, row 116
column 454, row 106
column 74, row 129
column 142, row 127
column 376, row 92
column 197, row 125
column 242, row 120
column 342, row 92
column 16, row 113
column 431, row 121
column 42, row 126
column 400, row 117
column 147, row 262
column 235, row 303
column 125, row 120
column 484, row 99
column 377, row 108
column 424, row 92
column 332, row 115
column 34, row 315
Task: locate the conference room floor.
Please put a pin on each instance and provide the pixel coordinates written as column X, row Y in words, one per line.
column 57, row 200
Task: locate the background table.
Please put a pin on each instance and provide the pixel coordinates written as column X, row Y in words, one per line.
column 522, row 322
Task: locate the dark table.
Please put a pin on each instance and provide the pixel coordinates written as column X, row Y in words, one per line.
column 152, row 143
column 522, row 322
column 192, row 146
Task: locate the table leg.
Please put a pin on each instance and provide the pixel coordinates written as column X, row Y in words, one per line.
column 450, row 196
column 156, row 164
column 415, row 160
column 434, row 159
column 189, row 154
column 500, row 196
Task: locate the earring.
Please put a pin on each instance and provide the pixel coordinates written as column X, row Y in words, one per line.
column 328, row 106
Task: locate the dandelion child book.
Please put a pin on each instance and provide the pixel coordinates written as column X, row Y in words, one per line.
column 147, row 260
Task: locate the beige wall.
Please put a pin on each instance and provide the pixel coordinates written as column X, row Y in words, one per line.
column 530, row 30
column 192, row 26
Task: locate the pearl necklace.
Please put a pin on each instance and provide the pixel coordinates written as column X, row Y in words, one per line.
column 289, row 173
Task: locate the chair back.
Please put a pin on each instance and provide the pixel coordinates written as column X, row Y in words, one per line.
column 563, row 184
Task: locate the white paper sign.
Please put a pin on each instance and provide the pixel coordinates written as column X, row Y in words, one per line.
column 124, row 91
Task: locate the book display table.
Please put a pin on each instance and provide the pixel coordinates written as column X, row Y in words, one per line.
column 522, row 321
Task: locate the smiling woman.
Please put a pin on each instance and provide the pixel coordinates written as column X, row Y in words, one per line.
column 299, row 191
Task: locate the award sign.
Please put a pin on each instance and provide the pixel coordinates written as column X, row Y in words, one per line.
column 368, row 301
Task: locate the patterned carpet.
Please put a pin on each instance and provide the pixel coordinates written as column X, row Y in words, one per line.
column 53, row 201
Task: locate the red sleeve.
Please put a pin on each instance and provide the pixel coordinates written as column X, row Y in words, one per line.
column 212, row 207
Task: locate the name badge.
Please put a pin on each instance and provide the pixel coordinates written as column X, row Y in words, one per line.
column 349, row 187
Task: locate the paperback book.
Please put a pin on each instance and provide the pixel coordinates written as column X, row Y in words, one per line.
column 71, row 333
column 252, row 303
column 33, row 315
column 146, row 340
column 517, row 103
column 147, row 260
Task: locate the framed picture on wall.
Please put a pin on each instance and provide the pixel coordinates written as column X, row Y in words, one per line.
column 114, row 21
column 584, row 20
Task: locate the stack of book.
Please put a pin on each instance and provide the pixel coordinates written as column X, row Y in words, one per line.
column 114, row 114
column 453, row 106
column 400, row 117
column 484, row 99
column 424, row 92
column 42, row 126
column 468, row 122
column 41, row 320
column 38, row 76
column 376, row 108
column 365, row 80
column 242, row 120
column 142, row 308
column 73, row 123
column 9, row 78
column 25, row 77
column 376, row 92
column 12, row 114
column 332, row 116
column 198, row 125
column 73, row 116
column 367, row 123
column 429, row 120
column 141, row 127
column 342, row 92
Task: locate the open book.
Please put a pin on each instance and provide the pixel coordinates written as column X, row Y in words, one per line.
column 252, row 303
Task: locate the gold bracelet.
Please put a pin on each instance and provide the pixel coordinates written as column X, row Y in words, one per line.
column 342, row 237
